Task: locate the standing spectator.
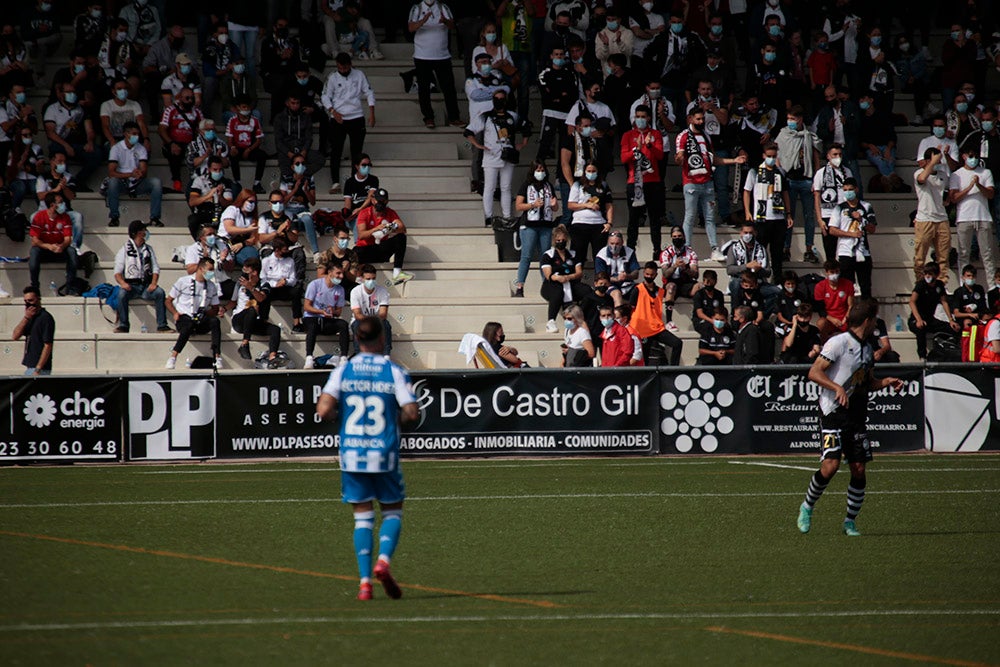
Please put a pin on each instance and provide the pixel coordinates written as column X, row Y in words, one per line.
column 381, row 235
column 38, row 328
column 217, row 60
column 578, row 347
column 517, row 19
column 716, row 121
column 679, row 264
column 89, row 28
column 930, row 225
column 144, row 27
column 341, row 98
column 430, row 23
column 646, row 301
column 245, row 136
column 767, row 203
column 944, row 144
column 128, row 167
column 118, row 111
column 799, row 151
column 500, row 147
column 753, row 128
column 970, row 189
column 249, row 298
column 851, row 223
column 961, row 118
column 207, row 144
column 958, row 60
column 613, row 38
column 479, row 89
column 986, row 140
column 538, row 204
column 621, row 86
column 559, row 93
column 562, row 273
column 244, row 24
column 878, row 141
column 177, row 129
column 822, row 66
column 828, row 193
column 293, row 136
column 915, row 74
column 338, row 14
column 194, row 304
column 662, row 117
column 591, row 202
column 645, row 26
column 716, row 340
column 620, row 264
column 769, row 80
column 472, row 18
column 642, row 154
column 673, row 55
column 72, row 133
column 324, row 301
column 575, row 152
column 877, row 71
column 41, row 32
column 695, row 155
column 843, row 27
column 370, row 299
column 51, row 240
column 927, row 295
column 839, row 122
column 58, row 179
column 750, row 346
column 280, row 56
column 138, row 275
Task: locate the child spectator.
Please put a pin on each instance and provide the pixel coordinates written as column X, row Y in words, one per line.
column 801, row 343
column 834, row 296
column 788, row 303
column 707, row 299
column 927, row 295
column 968, row 302
column 717, row 340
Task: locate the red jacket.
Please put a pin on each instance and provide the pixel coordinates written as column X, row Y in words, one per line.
column 654, row 151
column 617, row 346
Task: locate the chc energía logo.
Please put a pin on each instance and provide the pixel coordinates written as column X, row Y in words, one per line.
column 40, row 410
column 694, row 413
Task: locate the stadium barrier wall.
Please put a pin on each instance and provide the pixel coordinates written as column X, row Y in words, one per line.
column 691, row 410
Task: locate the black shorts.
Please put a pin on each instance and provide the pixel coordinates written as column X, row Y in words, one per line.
column 844, row 436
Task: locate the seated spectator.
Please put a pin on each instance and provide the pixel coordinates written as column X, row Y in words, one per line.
column 882, row 346
column 562, row 275
column 753, row 126
column 359, row 189
column 128, row 167
column 248, row 304
column 144, row 26
column 914, row 73
column 369, row 299
column 851, row 223
column 617, row 345
column 679, row 265
column 749, row 294
column 381, row 235
column 206, row 144
column 274, row 223
column 346, row 27
column 51, row 240
column 25, row 161
column 217, row 60
column 118, row 111
column 194, row 304
column 59, row 181
column 177, row 129
column 788, row 303
column 646, row 301
column 208, row 196
column 578, row 348
column 17, row 71
column 245, row 136
column 184, row 77
column 828, row 193
column 592, row 303
column 927, row 295
column 707, row 299
column 278, row 270
column 16, row 115
column 88, row 82
column 324, row 302
column 801, row 342
column 494, row 336
column 309, row 90
column 991, row 350
column 968, row 301
column 138, row 275
column 537, row 203
column 239, row 227
column 834, row 296
column 592, row 206
column 237, row 84
column 298, row 193
column 750, row 347
column 993, row 295
column 878, row 141
column 623, row 315
column 71, row 133
column 341, row 254
column 620, row 264
column 210, row 245
column 746, row 254
column 293, row 136
column 38, row 328
column 716, row 340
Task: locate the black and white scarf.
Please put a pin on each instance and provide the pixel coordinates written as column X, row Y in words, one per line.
column 742, row 254
column 698, row 155
column 833, row 179
column 643, row 166
column 581, row 156
column 536, row 192
column 138, row 263
column 768, row 188
column 677, row 53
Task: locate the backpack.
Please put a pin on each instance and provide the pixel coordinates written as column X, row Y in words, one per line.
column 325, row 219
column 944, row 347
column 75, row 287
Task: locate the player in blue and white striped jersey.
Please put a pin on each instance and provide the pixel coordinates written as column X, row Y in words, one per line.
column 377, row 399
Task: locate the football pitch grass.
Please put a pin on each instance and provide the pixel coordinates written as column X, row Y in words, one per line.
column 509, row 562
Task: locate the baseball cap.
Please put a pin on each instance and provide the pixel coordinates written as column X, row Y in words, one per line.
column 182, row 59
column 382, row 195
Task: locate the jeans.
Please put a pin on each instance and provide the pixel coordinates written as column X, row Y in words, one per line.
column 245, row 253
column 505, row 174
column 801, row 190
column 305, row 220
column 77, row 219
column 38, row 255
column 885, row 167
column 700, row 197
column 427, row 70
column 246, row 42
column 532, row 238
column 138, row 291
column 720, row 177
column 32, row 371
column 567, row 215
column 386, row 330
column 147, row 186
column 20, row 188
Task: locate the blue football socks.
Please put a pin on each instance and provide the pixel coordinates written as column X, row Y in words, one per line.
column 388, row 537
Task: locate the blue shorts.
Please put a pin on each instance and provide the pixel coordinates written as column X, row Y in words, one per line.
column 363, row 487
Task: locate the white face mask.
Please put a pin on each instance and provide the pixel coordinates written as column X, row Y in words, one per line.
column 249, row 206
column 834, row 277
column 223, row 38
column 539, row 175
column 836, row 161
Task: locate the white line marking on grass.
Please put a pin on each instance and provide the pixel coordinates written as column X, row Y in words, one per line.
column 526, row 496
column 772, row 465
column 224, row 471
column 532, row 618
column 875, row 469
column 481, row 464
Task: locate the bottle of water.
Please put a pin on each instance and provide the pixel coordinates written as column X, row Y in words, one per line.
column 187, row 362
column 54, row 288
column 144, row 329
column 899, row 322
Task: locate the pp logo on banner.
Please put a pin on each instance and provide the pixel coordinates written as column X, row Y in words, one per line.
column 171, row 419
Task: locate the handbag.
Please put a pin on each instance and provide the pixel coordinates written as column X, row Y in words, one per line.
column 510, row 155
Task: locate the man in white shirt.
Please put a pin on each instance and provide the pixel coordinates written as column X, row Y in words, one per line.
column 370, row 299
column 194, row 304
column 828, row 193
column 278, row 271
column 430, row 22
column 128, row 166
column 137, row 274
column 70, row 132
column 970, row 189
column 342, row 95
column 943, row 143
column 930, row 226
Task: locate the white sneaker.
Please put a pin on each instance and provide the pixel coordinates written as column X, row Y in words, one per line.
column 316, row 256
column 171, row 363
column 376, row 55
column 362, row 55
column 334, row 189
column 717, row 256
column 218, row 363
column 402, row 277
column 309, row 362
column 551, row 327
column 672, row 328
column 4, row 294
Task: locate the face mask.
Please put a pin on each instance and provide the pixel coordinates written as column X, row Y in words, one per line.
column 697, row 128
column 586, row 131
column 244, row 113
column 928, row 279
column 968, row 282
column 648, row 6
column 303, row 82
column 61, row 207
column 558, row 62
column 70, row 98
column 539, row 176
column 559, row 245
column 591, row 176
column 490, row 37
column 210, row 135
column 342, row 243
column 26, row 141
column 790, row 289
column 607, row 322
column 141, row 3
column 962, row 107
column 833, row 277
column 865, row 106
column 770, row 56
column 716, row 30
column 955, row 35
column 299, row 169
column 612, row 25
column 823, row 46
column 876, row 40
column 485, row 69
column 613, row 251
column 95, row 13
column 122, row 94
column 133, row 139
column 185, row 69
column 61, row 168
column 678, row 243
column 223, row 38
column 938, row 131
column 77, row 69
column 215, row 175
column 774, row 30
column 121, row 36
column 210, row 240
column 836, row 161
column 277, row 207
column 363, row 169
column 210, row 276
column 370, row 284
column 45, row 6
column 719, row 324
column 568, row 324
column 676, row 28
column 649, row 279
column 769, row 161
column 971, row 162
column 850, row 195
column 747, row 238
column 712, row 68
column 793, row 125
column 904, row 47
column 239, row 68
column 655, row 93
column 987, row 126
column 249, row 206
column 641, row 123
column 20, row 98
column 336, row 281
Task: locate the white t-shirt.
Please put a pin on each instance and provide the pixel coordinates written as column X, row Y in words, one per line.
column 189, row 295
column 240, row 219
column 751, row 184
column 640, row 44
column 430, row 41
column 847, row 356
column 369, row 304
column 128, row 157
column 584, row 216
column 934, row 142
column 575, row 339
column 118, row 115
column 992, row 331
column 596, row 110
column 930, row 194
column 829, row 197
column 974, row 206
